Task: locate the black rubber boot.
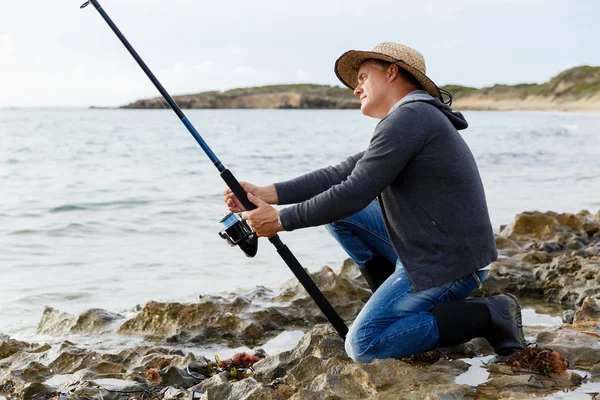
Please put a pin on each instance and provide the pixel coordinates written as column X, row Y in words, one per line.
column 496, row 318
column 376, row 271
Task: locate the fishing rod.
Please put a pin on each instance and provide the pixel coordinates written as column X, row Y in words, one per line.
column 236, row 231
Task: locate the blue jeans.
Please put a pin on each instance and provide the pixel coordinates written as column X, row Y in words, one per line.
column 395, row 322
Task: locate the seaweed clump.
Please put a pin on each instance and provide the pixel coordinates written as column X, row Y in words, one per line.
column 543, row 361
column 238, row 367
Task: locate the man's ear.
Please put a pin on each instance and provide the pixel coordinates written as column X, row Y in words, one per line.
column 392, row 73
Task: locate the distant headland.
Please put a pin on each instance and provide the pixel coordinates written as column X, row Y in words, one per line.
column 576, row 89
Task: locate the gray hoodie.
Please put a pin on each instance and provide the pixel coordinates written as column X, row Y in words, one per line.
column 428, row 185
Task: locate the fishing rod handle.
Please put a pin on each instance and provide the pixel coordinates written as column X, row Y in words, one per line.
column 237, row 189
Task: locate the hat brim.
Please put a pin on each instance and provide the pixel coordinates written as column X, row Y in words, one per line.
column 347, row 65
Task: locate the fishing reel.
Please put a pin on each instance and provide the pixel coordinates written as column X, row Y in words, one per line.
column 237, row 232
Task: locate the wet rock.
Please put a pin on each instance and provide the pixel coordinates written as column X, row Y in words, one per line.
column 72, row 359
column 22, row 355
column 158, row 359
column 591, row 251
column 549, row 246
column 25, row 381
column 568, row 316
column 55, row 322
column 59, row 323
column 29, row 390
column 260, row 353
column 175, row 394
column 309, row 372
column 579, row 347
column 111, row 390
column 33, row 372
column 505, row 243
column 14, row 388
column 534, row 224
column 108, row 368
column 220, row 388
column 550, row 226
column 589, row 312
column 102, row 370
column 514, row 276
column 199, row 369
column 11, row 346
column 534, row 257
column 565, row 279
column 273, row 367
column 237, row 320
column 557, row 262
column 178, row 378
column 95, row 321
column 213, row 318
column 319, row 368
column 524, row 384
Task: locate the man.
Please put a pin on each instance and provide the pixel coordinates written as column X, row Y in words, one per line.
column 410, row 210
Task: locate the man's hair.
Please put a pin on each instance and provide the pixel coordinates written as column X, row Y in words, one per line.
column 384, row 65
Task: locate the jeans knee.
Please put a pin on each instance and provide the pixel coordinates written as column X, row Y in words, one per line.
column 356, row 351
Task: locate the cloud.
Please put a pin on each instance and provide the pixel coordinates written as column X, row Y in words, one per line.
column 8, row 50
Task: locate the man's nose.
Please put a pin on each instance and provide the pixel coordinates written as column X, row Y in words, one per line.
column 357, row 90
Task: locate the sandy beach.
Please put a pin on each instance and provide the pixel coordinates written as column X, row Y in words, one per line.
column 538, row 103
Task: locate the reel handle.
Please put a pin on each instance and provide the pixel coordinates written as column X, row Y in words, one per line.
column 237, row 189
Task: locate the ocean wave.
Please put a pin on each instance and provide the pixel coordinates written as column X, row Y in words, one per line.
column 73, row 227
column 67, row 207
column 44, row 298
column 113, row 205
column 24, row 232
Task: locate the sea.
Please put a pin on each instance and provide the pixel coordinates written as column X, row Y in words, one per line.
column 112, row 208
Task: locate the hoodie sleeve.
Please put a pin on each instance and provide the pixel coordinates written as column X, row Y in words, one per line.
column 306, row 186
column 397, row 138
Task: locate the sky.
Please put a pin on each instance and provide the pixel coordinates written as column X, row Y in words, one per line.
column 52, row 54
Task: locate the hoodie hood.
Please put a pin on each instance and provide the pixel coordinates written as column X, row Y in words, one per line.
column 456, row 117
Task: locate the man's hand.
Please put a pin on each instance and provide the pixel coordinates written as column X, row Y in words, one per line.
column 233, row 203
column 263, row 220
column 265, row 193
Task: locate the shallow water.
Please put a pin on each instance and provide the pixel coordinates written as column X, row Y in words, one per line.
column 113, row 208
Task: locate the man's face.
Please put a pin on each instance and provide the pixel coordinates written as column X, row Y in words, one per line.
column 372, row 90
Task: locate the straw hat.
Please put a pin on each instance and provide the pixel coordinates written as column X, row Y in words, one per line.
column 346, row 67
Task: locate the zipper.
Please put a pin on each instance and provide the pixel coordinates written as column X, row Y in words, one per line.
column 412, row 285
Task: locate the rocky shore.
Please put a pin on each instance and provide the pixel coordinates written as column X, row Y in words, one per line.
column 301, row 96
column 546, row 259
column 575, row 89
